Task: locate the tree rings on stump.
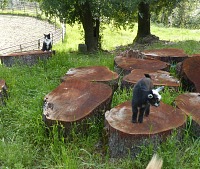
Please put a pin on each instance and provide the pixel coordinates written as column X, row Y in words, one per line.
column 126, row 137
column 189, row 103
column 190, row 74
column 3, row 92
column 170, row 55
column 124, row 65
column 76, row 101
column 159, row 78
column 94, row 74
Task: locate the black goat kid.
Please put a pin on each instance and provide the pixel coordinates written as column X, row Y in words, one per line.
column 143, row 96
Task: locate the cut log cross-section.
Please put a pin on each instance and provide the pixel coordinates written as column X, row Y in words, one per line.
column 190, row 74
column 189, row 103
column 159, row 78
column 93, row 74
column 3, row 92
column 124, row 65
column 75, row 101
column 170, row 55
column 126, row 137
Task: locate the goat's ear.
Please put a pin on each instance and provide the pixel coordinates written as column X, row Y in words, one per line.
column 150, row 96
column 147, row 76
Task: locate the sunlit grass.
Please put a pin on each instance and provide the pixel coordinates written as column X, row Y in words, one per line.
column 24, row 142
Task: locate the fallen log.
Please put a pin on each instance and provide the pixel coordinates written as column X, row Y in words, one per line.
column 170, row 55
column 74, row 102
column 25, row 58
column 189, row 103
column 127, row 138
column 159, row 78
column 124, row 65
column 93, row 74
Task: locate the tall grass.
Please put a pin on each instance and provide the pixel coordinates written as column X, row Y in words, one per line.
column 24, row 142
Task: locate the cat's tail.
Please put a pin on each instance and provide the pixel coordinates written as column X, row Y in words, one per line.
column 155, row 163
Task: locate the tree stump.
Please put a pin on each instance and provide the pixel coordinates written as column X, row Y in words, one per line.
column 25, row 58
column 189, row 103
column 189, row 74
column 126, row 137
column 159, row 78
column 74, row 102
column 171, row 55
column 3, row 92
column 94, row 74
column 82, row 48
column 124, row 65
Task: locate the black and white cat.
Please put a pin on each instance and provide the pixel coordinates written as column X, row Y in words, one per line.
column 47, row 43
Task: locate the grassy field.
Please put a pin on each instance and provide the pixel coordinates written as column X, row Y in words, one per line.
column 24, row 142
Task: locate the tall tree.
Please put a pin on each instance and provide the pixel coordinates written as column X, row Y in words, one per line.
column 86, row 12
column 127, row 10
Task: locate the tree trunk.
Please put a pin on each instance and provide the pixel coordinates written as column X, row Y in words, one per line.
column 90, row 26
column 143, row 20
column 144, row 24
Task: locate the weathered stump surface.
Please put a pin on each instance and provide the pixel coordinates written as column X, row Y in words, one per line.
column 189, row 74
column 124, row 65
column 189, row 103
column 3, row 92
column 25, row 58
column 159, row 78
column 75, row 101
column 125, row 136
column 93, row 74
column 171, row 55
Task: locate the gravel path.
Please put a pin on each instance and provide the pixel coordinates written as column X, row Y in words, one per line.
column 16, row 30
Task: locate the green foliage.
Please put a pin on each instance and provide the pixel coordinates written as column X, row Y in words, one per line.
column 184, row 14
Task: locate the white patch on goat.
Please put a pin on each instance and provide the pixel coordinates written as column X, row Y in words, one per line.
column 155, row 91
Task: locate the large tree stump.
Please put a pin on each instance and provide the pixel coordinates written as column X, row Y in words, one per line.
column 93, row 74
column 171, row 55
column 159, row 78
column 3, row 92
column 189, row 103
column 126, row 137
column 74, row 102
column 25, row 58
column 124, row 65
column 189, row 74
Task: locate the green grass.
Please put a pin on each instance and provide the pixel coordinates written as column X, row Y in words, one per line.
column 24, row 142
